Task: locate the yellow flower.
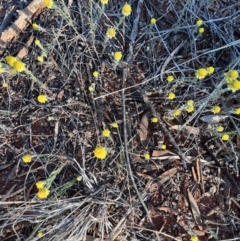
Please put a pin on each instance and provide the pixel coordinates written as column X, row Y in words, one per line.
column 199, row 22
column 194, row 238
column 170, row 78
column 163, row 147
column 153, row 21
column 111, row 33
column 225, row 137
column 147, row 156
column 154, row 120
column 201, row 30
column 42, row 99
column 4, row 85
column 106, row 132
column 177, row 112
column 190, row 108
column 201, row 73
column 231, row 75
column 40, row 184
column 43, row 193
column 220, row 128
column 35, row 26
column 95, row 74
column 48, row 3
column 114, row 125
column 190, row 102
column 10, row 60
column 171, row 96
column 234, row 85
column 216, row 109
column 104, row 1
column 27, row 158
column 100, row 152
column 37, row 42
column 210, row 70
column 91, row 88
column 79, row 178
column 19, row 66
column 40, row 58
column 237, row 111
column 118, row 55
column 127, row 9
column 40, row 234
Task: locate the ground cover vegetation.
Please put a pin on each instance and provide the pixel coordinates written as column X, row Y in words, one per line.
column 120, row 121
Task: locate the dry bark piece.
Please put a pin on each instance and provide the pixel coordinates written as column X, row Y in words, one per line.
column 24, row 51
column 195, row 210
column 143, row 131
column 158, row 153
column 25, row 17
column 166, row 176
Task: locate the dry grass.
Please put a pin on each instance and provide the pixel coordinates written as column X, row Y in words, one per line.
column 123, row 197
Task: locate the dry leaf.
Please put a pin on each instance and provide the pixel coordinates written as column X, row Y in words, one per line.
column 60, row 95
column 213, row 118
column 143, row 131
column 166, row 176
column 199, row 233
column 195, row 210
column 158, row 153
column 189, row 129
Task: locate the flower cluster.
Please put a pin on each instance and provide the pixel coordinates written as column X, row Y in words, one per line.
column 202, row 72
column 199, row 23
column 216, row 109
column 232, row 81
column 16, row 64
column 190, row 106
column 147, row 156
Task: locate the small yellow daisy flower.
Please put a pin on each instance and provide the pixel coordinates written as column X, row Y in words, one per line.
column 10, row 60
column 201, row 30
column 190, row 102
column 234, row 85
column 91, row 88
column 154, row 120
column 27, row 158
column 19, row 66
column 147, row 156
column 114, row 125
column 153, row 21
column 118, row 55
column 4, row 85
column 190, row 108
column 216, row 109
column 163, row 147
column 104, row 1
column 40, row 234
column 199, row 22
column 201, row 73
column 231, row 75
column 35, row 26
column 79, row 178
column 171, row 96
column 106, row 132
column 1, row 69
column 42, row 99
column 170, row 78
column 194, row 238
column 100, row 152
column 48, row 3
column 126, row 10
column 43, row 193
column 225, row 137
column 95, row 74
column 40, row 184
column 237, row 111
column 220, row 129
column 177, row 112
column 111, row 33
column 37, row 42
column 40, row 59
column 210, row 70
